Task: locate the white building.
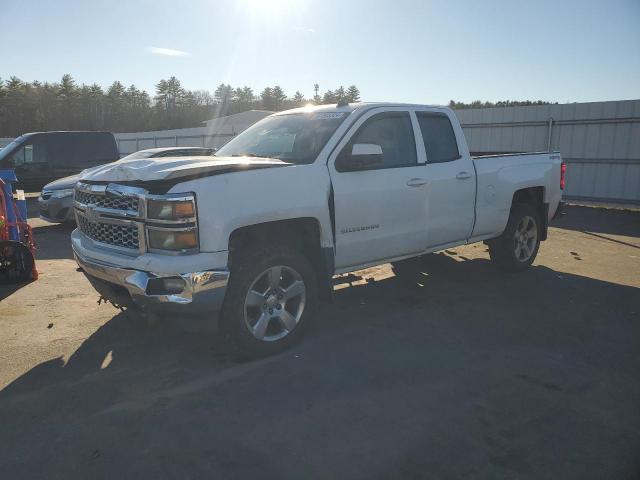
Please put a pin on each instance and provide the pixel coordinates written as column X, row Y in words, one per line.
column 216, row 133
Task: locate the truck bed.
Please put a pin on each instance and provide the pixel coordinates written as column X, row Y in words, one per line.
column 498, row 176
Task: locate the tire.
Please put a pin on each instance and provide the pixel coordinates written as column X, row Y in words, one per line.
column 517, row 247
column 258, row 314
column 16, row 264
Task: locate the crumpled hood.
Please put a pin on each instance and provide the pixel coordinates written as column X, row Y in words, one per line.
column 62, row 183
column 152, row 169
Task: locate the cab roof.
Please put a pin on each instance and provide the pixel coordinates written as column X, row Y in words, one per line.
column 349, row 107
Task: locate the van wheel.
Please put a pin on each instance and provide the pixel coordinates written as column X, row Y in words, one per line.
column 517, row 247
column 271, row 296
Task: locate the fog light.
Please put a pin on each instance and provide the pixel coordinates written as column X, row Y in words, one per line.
column 165, row 286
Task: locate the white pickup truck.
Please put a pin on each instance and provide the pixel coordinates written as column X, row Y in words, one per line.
column 257, row 232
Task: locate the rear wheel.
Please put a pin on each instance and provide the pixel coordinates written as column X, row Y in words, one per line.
column 271, row 296
column 517, row 248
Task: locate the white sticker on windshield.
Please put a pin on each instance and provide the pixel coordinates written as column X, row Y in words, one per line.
column 328, row 115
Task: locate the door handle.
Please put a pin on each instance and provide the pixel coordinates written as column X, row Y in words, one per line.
column 417, row 182
column 463, row 175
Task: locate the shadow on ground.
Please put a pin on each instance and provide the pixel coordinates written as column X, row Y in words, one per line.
column 53, row 241
column 600, row 220
column 450, row 369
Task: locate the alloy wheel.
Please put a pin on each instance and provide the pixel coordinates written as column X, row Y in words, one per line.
column 525, row 238
column 274, row 303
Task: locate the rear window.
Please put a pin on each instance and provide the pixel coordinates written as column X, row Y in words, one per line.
column 438, row 136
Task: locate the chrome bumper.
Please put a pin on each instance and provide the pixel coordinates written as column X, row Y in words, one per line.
column 203, row 291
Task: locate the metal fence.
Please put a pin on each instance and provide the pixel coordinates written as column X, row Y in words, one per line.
column 600, row 142
column 130, row 145
column 186, row 137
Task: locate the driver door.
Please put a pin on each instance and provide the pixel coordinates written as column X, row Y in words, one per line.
column 380, row 208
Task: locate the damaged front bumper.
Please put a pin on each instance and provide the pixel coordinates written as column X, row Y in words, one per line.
column 185, row 292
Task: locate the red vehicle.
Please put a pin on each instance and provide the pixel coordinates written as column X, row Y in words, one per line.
column 17, row 247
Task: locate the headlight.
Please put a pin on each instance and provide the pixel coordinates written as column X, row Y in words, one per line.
column 174, row 240
column 67, row 192
column 171, row 223
column 169, row 209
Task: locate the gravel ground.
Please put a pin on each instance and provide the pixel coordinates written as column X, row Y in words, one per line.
column 450, row 369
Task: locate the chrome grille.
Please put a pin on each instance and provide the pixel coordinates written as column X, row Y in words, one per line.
column 106, row 201
column 125, row 236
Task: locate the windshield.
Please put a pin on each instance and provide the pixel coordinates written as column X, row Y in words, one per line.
column 138, row 155
column 295, row 138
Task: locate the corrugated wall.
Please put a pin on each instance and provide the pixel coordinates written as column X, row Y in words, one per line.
column 184, row 137
column 600, row 142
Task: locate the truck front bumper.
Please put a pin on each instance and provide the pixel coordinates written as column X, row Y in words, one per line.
column 184, row 292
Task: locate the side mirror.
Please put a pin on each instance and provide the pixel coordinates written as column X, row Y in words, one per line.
column 362, row 157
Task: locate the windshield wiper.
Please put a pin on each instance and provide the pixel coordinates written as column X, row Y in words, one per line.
column 247, row 155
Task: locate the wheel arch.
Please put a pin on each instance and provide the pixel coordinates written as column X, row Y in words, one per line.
column 303, row 233
column 534, row 196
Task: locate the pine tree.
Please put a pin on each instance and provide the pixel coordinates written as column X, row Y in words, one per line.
column 223, row 94
column 268, row 100
column 67, row 86
column 298, row 99
column 329, row 97
column 340, row 94
column 278, row 97
column 353, row 94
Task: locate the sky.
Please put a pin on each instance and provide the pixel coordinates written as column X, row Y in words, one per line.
column 393, row 50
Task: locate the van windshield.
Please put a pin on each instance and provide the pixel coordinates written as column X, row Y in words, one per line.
column 9, row 148
column 295, row 138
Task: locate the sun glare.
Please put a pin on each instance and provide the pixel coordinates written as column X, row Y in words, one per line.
column 268, row 7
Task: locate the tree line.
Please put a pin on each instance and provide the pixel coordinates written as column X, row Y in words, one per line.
column 501, row 103
column 66, row 105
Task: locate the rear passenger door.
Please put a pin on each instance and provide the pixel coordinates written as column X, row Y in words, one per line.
column 452, row 187
column 379, row 208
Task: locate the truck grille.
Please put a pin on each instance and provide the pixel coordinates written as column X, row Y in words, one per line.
column 107, row 201
column 110, row 215
column 125, row 236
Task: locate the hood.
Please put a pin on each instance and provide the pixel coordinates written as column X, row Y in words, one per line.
column 62, row 183
column 154, row 169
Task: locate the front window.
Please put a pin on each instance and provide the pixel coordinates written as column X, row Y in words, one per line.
column 30, row 153
column 394, row 133
column 294, row 138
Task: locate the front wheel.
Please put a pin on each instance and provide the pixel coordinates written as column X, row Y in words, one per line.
column 517, row 247
column 271, row 296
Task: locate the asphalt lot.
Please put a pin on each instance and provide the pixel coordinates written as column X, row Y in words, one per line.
column 451, row 370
